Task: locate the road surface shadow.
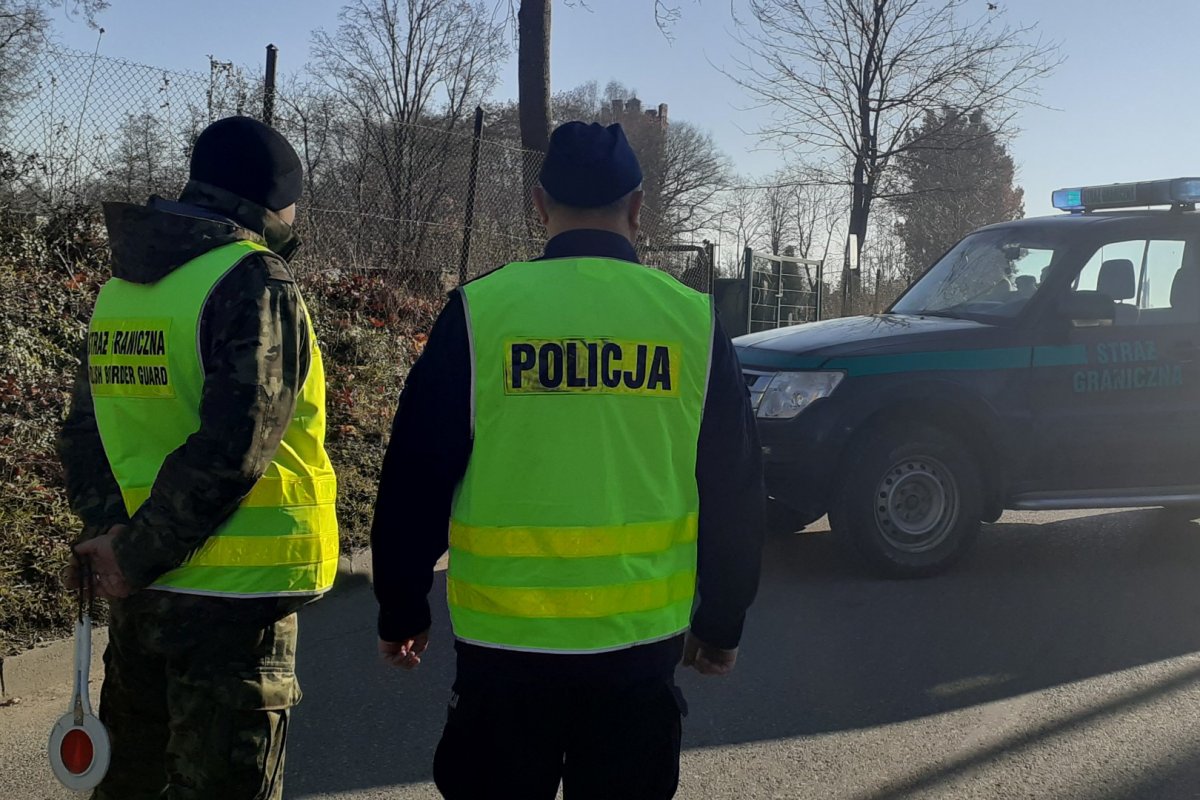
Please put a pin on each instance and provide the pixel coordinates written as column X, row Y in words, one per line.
column 826, row 649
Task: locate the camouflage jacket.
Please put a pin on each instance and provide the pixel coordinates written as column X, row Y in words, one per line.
column 255, row 352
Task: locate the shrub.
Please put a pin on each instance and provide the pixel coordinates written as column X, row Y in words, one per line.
column 50, row 271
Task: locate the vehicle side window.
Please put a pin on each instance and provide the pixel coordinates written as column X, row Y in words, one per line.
column 1168, row 283
column 1089, row 277
column 1154, row 282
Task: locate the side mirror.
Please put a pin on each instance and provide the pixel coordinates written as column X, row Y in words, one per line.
column 1088, row 309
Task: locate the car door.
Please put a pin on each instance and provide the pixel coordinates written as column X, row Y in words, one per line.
column 1116, row 405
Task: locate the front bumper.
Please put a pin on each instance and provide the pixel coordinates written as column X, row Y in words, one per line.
column 801, row 457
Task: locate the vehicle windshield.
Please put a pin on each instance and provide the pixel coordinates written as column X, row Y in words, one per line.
column 990, row 274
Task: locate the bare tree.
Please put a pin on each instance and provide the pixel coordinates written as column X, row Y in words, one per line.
column 311, row 118
column 774, row 207
column 794, row 210
column 24, row 29
column 23, row 16
column 793, row 216
column 817, row 210
column 310, row 121
column 616, row 90
column 739, row 219
column 582, row 102
column 666, row 14
column 396, row 68
column 848, row 81
column 411, row 61
column 88, row 9
column 883, row 273
column 142, row 163
column 693, row 171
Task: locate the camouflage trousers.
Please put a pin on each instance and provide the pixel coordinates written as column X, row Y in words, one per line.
column 196, row 697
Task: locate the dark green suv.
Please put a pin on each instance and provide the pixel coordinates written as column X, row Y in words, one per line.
column 1049, row 363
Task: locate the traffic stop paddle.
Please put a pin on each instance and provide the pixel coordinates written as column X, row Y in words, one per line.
column 79, row 748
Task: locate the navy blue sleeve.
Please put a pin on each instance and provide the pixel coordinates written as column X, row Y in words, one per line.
column 732, row 502
column 425, row 460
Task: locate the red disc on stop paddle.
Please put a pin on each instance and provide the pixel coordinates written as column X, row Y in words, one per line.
column 77, row 751
column 79, row 748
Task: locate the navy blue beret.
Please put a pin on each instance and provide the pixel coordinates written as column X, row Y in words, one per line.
column 588, row 166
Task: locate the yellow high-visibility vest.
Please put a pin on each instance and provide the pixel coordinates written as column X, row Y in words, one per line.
column 146, row 379
column 574, row 528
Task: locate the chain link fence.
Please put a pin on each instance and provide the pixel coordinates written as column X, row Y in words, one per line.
column 85, row 128
column 427, row 205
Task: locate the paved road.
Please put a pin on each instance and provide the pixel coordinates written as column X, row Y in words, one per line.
column 1061, row 660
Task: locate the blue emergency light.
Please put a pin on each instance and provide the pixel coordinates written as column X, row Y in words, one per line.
column 1171, row 192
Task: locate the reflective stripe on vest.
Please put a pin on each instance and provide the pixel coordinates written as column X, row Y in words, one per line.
column 147, row 377
column 574, row 529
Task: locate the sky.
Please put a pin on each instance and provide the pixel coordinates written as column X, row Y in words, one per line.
column 1122, row 107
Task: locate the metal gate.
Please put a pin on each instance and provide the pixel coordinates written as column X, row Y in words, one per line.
column 782, row 290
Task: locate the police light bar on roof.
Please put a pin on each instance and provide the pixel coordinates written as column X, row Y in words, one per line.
column 1171, row 192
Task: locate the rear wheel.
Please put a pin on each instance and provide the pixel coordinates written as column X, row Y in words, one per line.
column 911, row 503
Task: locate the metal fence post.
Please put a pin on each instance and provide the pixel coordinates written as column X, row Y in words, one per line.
column 711, row 276
column 748, row 262
column 269, row 85
column 469, row 215
column 820, row 288
column 778, row 292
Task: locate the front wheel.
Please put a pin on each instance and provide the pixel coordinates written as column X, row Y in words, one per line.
column 911, row 503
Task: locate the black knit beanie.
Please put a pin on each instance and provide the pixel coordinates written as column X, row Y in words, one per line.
column 252, row 160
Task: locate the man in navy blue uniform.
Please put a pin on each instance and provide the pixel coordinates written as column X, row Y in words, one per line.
column 605, row 723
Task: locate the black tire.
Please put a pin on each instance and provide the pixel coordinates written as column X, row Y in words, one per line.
column 911, row 503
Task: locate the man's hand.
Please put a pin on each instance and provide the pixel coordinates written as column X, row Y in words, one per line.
column 706, row 659
column 108, row 580
column 71, row 574
column 406, row 654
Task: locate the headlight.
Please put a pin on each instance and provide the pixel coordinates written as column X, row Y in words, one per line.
column 789, row 393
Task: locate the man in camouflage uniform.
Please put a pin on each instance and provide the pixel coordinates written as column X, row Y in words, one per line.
column 197, row 689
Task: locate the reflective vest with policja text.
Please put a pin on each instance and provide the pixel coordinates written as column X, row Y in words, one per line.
column 146, row 378
column 574, row 528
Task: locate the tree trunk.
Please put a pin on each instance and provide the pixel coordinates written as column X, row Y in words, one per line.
column 860, row 205
column 533, row 89
column 864, row 180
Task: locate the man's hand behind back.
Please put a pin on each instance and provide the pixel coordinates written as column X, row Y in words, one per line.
column 108, row 580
